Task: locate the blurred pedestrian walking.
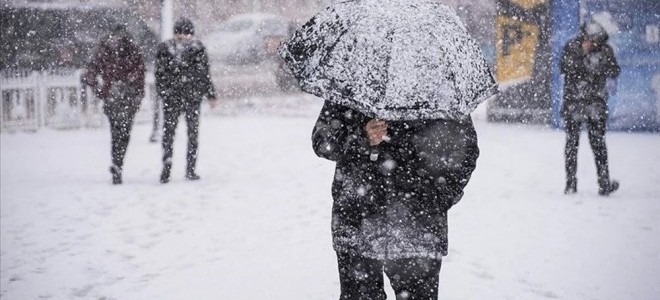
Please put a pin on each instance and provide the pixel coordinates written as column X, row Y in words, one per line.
column 587, row 62
column 183, row 80
column 119, row 63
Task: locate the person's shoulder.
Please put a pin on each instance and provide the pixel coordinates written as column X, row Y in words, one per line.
column 170, row 42
column 197, row 45
column 164, row 45
column 607, row 48
column 573, row 41
column 572, row 44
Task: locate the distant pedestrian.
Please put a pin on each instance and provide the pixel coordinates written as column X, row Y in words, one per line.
column 119, row 63
column 183, row 80
column 587, row 62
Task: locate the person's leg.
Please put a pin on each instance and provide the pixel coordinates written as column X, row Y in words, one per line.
column 171, row 118
column 124, row 126
column 570, row 154
column 115, row 168
column 596, row 130
column 414, row 278
column 192, row 123
column 360, row 278
column 157, row 106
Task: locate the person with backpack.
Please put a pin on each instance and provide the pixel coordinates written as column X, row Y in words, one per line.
column 587, row 62
column 120, row 64
column 183, row 80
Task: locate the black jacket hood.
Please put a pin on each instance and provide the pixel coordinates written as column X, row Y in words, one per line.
column 592, row 30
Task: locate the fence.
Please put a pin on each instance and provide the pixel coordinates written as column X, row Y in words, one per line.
column 30, row 100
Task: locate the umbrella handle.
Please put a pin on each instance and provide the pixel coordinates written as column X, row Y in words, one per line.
column 374, row 153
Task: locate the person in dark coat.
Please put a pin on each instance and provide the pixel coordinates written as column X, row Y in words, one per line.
column 119, row 63
column 182, row 81
column 394, row 183
column 587, row 62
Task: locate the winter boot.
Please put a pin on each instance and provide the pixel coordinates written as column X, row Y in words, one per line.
column 611, row 187
column 190, row 168
column 571, row 187
column 116, row 174
column 165, row 174
column 191, row 175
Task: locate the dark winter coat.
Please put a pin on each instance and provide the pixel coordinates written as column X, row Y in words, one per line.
column 394, row 206
column 182, row 71
column 119, row 63
column 585, row 76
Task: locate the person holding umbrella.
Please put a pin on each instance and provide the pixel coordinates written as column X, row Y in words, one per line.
column 119, row 63
column 399, row 80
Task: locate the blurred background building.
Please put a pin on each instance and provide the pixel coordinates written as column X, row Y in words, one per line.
column 521, row 38
column 531, row 35
column 241, row 35
column 478, row 14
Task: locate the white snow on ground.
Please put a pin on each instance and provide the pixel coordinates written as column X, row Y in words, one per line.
column 257, row 226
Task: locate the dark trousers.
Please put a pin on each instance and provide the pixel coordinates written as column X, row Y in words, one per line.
column 596, row 133
column 412, row 279
column 157, row 106
column 120, row 134
column 171, row 112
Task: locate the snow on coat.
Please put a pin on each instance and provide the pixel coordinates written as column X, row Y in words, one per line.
column 396, row 205
column 119, row 63
column 182, row 70
column 585, row 75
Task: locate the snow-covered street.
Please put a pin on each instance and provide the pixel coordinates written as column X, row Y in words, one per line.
column 257, row 225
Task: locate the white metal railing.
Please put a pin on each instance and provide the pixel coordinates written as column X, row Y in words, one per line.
column 56, row 99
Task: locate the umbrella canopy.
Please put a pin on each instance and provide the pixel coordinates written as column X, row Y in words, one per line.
column 391, row 59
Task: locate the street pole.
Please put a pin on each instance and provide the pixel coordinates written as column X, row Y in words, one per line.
column 166, row 33
column 166, row 20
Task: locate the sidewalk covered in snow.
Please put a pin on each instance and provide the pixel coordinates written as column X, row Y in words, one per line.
column 257, row 225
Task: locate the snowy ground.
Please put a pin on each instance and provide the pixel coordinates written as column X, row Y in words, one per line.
column 257, row 225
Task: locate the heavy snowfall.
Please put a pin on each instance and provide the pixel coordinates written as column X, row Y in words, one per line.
column 256, row 224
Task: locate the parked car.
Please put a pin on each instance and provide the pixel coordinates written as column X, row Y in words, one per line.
column 247, row 38
column 246, row 46
column 45, row 36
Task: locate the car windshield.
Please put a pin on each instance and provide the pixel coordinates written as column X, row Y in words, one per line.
column 273, row 27
column 237, row 25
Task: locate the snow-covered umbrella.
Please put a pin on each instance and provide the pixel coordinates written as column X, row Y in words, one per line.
column 391, row 59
